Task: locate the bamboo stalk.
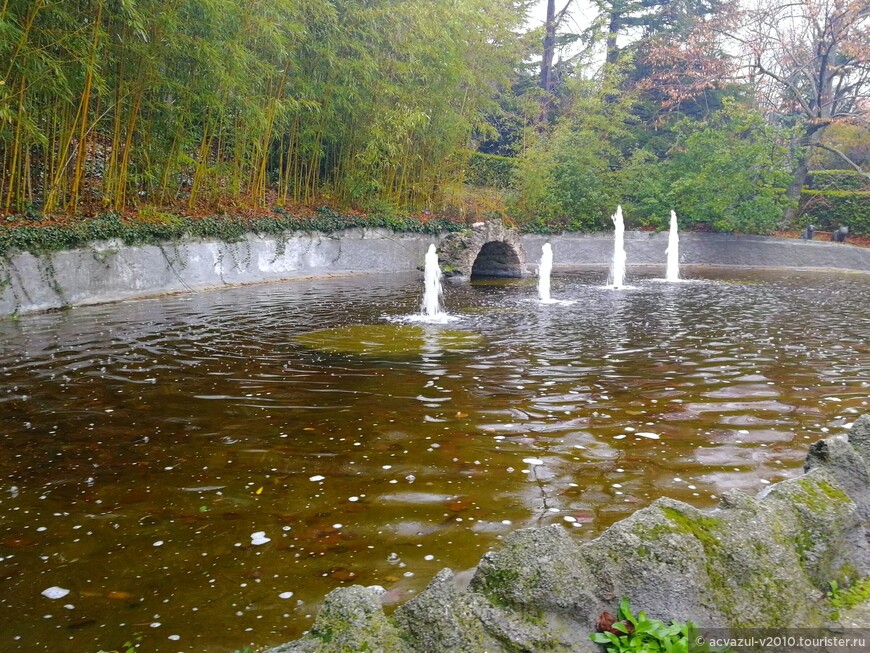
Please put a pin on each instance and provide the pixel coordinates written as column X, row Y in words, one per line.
column 78, row 171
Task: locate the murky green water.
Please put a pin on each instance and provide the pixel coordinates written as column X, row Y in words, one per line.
column 182, row 465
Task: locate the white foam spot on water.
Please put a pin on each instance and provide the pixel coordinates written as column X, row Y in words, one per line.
column 569, row 518
column 533, row 461
column 650, row 436
column 259, row 538
column 285, row 595
column 428, row 557
column 316, row 478
column 55, row 592
column 353, row 499
column 158, row 543
column 337, row 526
column 619, row 437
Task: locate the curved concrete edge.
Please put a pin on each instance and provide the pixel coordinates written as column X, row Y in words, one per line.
column 760, row 562
column 649, row 248
column 111, row 271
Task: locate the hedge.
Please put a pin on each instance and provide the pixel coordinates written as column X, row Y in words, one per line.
column 38, row 234
column 837, row 180
column 490, row 170
column 831, row 209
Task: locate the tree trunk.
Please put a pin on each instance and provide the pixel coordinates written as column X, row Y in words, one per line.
column 793, row 193
column 549, row 46
column 612, row 31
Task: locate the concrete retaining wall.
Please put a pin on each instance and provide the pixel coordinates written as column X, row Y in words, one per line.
column 110, row 271
column 644, row 248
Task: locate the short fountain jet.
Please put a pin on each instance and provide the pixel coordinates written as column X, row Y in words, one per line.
column 673, row 270
column 432, row 287
column 544, row 270
column 617, row 266
column 431, row 309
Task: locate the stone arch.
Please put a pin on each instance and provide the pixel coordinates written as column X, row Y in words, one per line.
column 496, row 259
column 486, row 249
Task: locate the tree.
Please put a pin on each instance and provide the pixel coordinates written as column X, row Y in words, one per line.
column 645, row 19
column 566, row 178
column 726, row 173
column 108, row 104
column 550, row 27
column 809, row 61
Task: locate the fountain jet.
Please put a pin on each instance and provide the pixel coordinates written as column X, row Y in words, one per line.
column 544, row 270
column 432, row 286
column 617, row 266
column 673, row 251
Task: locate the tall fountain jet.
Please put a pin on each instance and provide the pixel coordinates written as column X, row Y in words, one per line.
column 673, row 270
column 544, row 270
column 432, row 286
column 617, row 266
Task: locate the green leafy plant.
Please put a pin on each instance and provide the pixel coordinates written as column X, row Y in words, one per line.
column 640, row 634
column 848, row 597
column 54, row 237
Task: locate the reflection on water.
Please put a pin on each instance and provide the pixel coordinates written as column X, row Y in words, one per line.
column 197, row 470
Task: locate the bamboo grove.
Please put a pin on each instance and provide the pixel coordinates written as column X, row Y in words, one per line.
column 108, row 104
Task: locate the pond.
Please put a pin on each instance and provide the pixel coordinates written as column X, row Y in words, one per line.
column 200, row 470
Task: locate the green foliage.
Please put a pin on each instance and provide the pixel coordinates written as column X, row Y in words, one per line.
column 830, row 209
column 50, row 238
column 847, row 598
column 238, row 101
column 850, row 138
column 490, row 170
column 566, row 179
column 639, row 634
column 837, row 180
column 726, row 174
